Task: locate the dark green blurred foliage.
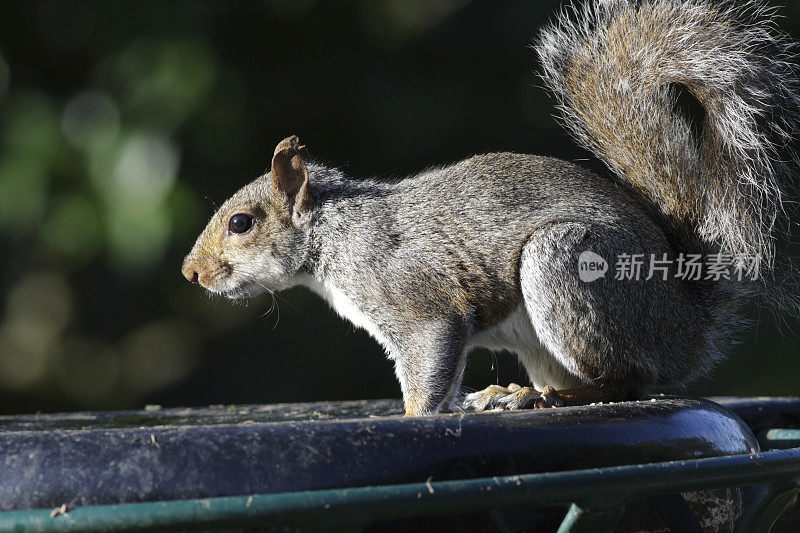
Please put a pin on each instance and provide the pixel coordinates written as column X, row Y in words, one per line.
column 123, row 123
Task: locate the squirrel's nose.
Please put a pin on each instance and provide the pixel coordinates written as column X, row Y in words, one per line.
column 189, row 272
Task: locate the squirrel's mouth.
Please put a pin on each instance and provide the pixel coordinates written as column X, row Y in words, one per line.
column 221, row 280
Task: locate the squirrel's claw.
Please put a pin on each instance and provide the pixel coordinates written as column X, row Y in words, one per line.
column 549, row 397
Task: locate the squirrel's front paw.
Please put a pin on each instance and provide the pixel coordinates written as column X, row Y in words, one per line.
column 512, row 397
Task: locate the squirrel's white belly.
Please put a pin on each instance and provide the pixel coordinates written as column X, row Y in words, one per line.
column 516, row 334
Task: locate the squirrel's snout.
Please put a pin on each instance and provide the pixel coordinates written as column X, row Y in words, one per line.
column 189, row 271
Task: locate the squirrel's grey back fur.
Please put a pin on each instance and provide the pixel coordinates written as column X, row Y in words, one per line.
column 485, row 252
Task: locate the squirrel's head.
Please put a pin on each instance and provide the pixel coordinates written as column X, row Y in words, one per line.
column 257, row 240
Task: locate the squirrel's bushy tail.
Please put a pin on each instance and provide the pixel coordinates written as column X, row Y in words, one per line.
column 616, row 68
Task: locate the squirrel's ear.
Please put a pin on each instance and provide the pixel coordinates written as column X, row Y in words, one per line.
column 290, row 178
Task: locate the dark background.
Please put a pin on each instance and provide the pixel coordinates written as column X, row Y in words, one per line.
column 123, row 123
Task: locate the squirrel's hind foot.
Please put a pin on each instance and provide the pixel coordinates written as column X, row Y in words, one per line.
column 512, row 397
column 490, row 397
column 515, row 397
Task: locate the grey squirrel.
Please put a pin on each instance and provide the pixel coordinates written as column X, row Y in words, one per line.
column 491, row 251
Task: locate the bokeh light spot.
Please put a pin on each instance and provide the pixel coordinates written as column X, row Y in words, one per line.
column 38, row 309
column 91, row 121
column 41, row 296
column 145, row 171
column 158, row 354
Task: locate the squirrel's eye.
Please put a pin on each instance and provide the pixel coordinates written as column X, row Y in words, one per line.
column 240, row 223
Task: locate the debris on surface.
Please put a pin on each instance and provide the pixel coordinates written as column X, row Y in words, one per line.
column 63, row 510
